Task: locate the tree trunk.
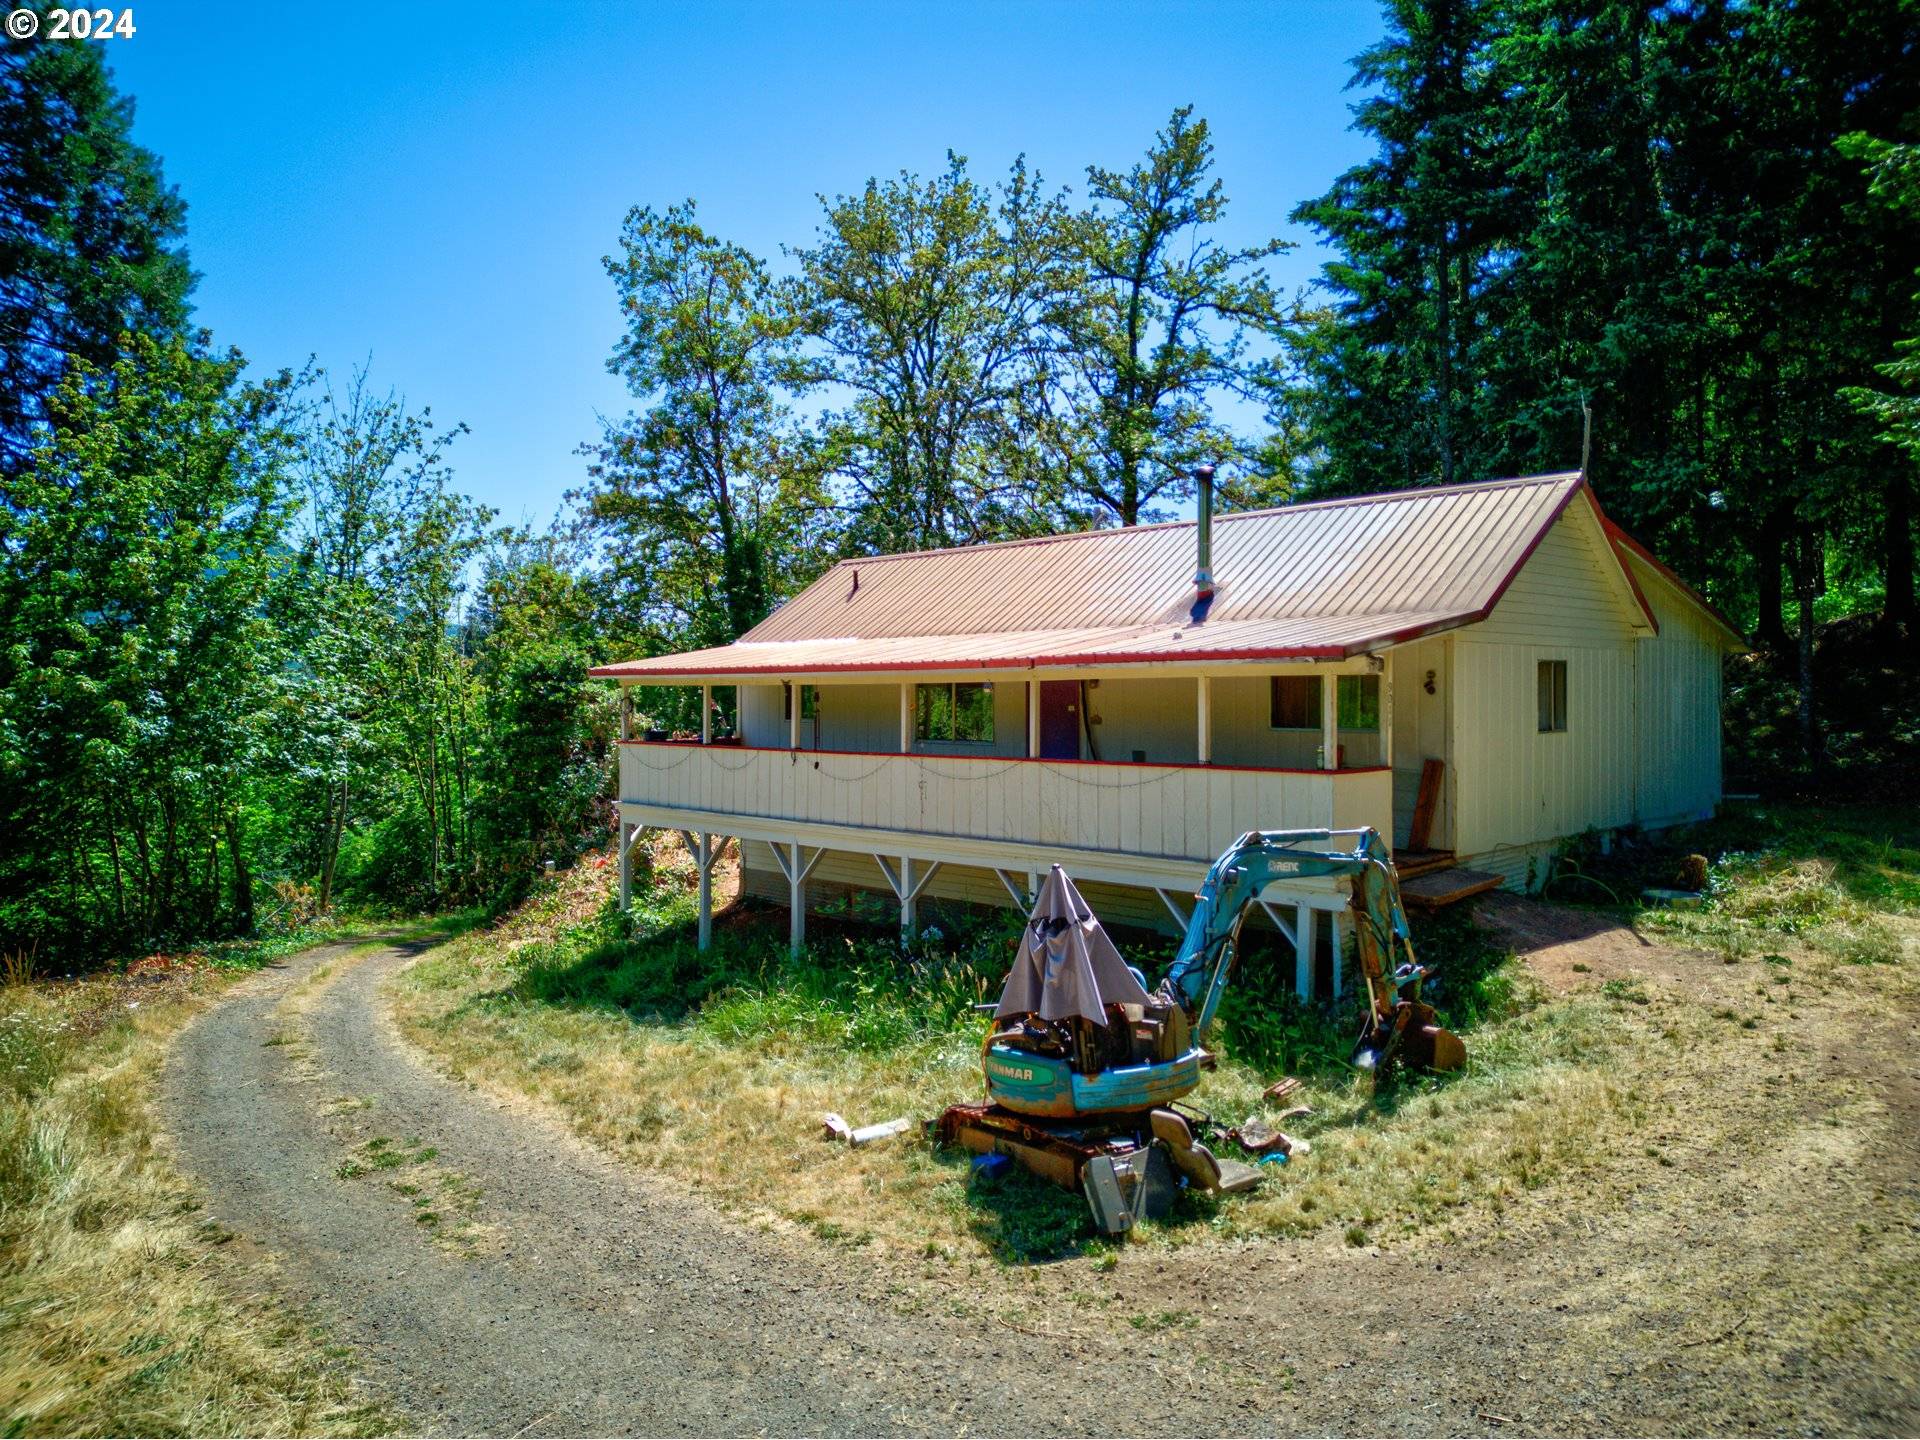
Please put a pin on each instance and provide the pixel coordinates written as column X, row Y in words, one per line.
column 336, row 824
column 242, row 877
column 1769, row 560
column 1899, row 550
column 1809, row 726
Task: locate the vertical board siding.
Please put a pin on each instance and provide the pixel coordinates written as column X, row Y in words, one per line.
column 1679, row 741
column 1421, row 732
column 1185, row 812
column 1517, row 788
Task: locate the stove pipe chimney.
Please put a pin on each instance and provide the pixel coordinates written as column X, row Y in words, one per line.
column 1203, row 576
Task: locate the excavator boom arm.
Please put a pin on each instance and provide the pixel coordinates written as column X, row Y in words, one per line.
column 1198, row 976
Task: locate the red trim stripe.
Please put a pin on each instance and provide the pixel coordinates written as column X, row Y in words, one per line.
column 1002, row 759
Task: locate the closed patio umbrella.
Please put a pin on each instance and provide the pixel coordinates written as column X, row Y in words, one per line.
column 1065, row 964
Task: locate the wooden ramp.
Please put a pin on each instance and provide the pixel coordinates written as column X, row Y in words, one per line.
column 1446, row 887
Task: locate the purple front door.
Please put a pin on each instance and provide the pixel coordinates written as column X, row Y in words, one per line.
column 1060, row 719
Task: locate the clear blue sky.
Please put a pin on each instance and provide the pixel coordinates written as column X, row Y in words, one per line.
column 433, row 185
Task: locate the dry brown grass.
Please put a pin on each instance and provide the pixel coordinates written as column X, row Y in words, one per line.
column 124, row 1313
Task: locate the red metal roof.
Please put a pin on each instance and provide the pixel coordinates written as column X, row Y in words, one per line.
column 1315, row 581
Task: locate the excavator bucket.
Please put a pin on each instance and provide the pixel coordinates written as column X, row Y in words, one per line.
column 1408, row 1034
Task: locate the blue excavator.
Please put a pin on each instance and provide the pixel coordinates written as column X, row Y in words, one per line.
column 1084, row 1064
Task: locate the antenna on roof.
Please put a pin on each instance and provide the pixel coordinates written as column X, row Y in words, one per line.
column 1586, row 433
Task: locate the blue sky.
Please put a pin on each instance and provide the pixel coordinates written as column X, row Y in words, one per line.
column 432, row 186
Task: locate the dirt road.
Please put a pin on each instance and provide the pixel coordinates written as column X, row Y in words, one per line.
column 496, row 1277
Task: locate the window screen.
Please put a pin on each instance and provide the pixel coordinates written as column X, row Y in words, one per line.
column 1553, row 696
column 953, row 712
column 1294, row 702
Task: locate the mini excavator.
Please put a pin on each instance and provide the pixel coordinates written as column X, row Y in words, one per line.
column 1083, row 1064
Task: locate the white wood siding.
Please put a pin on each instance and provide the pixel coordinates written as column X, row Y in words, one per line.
column 1679, row 760
column 1422, row 731
column 1517, row 787
column 1192, row 813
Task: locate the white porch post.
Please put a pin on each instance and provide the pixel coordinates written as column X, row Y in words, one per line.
column 1033, row 719
column 1303, row 951
column 1386, row 714
column 704, row 859
column 794, row 689
column 626, row 712
column 906, row 718
column 1203, row 705
column 706, row 714
column 1329, row 721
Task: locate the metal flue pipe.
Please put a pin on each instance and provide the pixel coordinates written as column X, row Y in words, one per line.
column 1203, row 575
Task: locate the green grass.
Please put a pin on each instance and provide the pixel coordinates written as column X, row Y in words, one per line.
column 1842, row 881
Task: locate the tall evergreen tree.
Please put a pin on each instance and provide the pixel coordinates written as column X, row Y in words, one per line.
column 91, row 245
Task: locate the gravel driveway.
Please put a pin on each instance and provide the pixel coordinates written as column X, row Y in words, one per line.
column 496, row 1277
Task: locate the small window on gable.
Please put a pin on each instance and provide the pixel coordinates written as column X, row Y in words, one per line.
column 1553, row 696
column 809, row 701
column 1294, row 702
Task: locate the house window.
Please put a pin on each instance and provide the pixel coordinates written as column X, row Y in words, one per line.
column 1553, row 696
column 1359, row 702
column 962, row 711
column 809, row 701
column 1294, row 702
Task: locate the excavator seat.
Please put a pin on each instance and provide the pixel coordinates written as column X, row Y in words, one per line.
column 1194, row 1160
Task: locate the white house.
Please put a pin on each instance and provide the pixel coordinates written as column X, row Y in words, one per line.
column 1479, row 671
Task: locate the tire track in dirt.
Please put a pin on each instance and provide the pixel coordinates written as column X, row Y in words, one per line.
column 604, row 1302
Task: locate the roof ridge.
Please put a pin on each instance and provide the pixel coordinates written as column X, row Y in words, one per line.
column 1413, row 492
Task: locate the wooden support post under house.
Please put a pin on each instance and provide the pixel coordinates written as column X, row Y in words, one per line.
column 1303, row 951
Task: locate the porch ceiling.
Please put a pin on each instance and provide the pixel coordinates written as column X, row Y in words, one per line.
column 1320, row 637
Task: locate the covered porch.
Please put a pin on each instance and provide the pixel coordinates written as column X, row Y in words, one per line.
column 982, row 780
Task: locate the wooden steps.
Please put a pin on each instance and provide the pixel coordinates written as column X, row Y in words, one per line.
column 1421, row 862
column 1435, row 888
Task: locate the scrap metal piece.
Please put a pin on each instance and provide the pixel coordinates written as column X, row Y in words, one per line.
column 1101, row 1185
column 867, row 1134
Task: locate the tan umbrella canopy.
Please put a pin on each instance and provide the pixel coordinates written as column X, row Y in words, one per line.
column 1066, row 965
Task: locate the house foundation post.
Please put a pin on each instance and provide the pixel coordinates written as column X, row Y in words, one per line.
column 625, row 840
column 1337, row 933
column 1303, row 952
column 796, row 899
column 909, row 900
column 704, row 859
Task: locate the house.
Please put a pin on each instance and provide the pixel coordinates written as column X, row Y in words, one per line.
column 1478, row 671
